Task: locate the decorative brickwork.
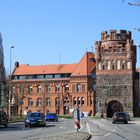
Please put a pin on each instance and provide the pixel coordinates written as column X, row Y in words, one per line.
column 115, row 68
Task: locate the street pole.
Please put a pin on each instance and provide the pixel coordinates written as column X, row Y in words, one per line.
column 9, row 113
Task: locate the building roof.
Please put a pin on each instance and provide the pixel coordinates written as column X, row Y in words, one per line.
column 75, row 69
column 86, row 65
column 44, row 69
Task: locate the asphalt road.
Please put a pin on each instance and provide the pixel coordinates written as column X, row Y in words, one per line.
column 17, row 131
column 103, row 129
column 100, row 129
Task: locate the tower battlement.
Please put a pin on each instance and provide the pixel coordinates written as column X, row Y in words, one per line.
column 115, row 35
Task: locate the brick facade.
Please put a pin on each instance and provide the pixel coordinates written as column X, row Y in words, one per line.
column 54, row 88
column 115, row 69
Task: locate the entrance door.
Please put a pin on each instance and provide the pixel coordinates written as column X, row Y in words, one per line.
column 113, row 106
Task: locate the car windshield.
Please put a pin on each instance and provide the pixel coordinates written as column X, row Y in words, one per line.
column 51, row 114
column 121, row 114
column 34, row 114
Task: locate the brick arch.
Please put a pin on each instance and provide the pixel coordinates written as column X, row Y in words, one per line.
column 113, row 65
column 104, row 65
column 113, row 106
column 123, row 64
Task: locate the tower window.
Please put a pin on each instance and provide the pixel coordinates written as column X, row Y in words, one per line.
column 123, row 67
column 113, row 67
column 92, row 59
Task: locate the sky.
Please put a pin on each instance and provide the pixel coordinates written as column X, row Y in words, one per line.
column 61, row 31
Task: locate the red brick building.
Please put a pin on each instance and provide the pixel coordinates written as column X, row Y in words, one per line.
column 54, row 88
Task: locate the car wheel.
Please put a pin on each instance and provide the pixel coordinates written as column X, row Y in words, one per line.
column 26, row 125
column 126, row 122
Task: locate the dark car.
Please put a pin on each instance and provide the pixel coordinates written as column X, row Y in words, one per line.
column 34, row 119
column 3, row 118
column 51, row 117
column 120, row 117
column 128, row 116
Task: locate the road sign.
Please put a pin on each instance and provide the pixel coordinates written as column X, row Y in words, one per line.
column 76, row 116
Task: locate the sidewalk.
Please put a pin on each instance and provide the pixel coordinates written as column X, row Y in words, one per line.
column 70, row 136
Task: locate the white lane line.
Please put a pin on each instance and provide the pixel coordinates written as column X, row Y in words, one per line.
column 107, row 134
column 88, row 128
column 62, row 127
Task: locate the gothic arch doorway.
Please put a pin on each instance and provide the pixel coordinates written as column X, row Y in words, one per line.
column 113, row 106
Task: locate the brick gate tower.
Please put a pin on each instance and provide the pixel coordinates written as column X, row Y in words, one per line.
column 115, row 68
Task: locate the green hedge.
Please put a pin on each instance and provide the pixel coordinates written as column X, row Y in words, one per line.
column 17, row 119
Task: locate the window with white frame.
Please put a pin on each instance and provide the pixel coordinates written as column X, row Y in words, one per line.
column 57, row 88
column 57, row 101
column 78, row 88
column 39, row 88
column 21, row 89
column 30, row 89
column 48, row 102
column 48, row 88
column 66, row 88
column 38, row 102
column 30, row 102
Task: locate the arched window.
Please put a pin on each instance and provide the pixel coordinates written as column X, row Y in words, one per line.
column 30, row 102
column 82, row 101
column 48, row 88
column 113, row 65
column 30, row 88
column 66, row 88
column 57, row 88
column 21, row 89
column 38, row 102
column 123, row 65
column 48, row 102
column 79, row 100
column 39, row 88
column 57, row 101
column 74, row 101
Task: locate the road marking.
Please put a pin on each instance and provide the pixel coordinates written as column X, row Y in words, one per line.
column 114, row 130
column 88, row 128
column 107, row 134
column 62, row 127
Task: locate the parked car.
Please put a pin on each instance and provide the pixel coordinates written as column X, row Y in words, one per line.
column 51, row 117
column 3, row 118
column 34, row 119
column 120, row 117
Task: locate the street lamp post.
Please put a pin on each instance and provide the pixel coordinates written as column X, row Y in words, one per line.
column 9, row 112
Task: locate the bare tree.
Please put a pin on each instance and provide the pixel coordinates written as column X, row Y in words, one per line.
column 134, row 3
column 2, row 74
